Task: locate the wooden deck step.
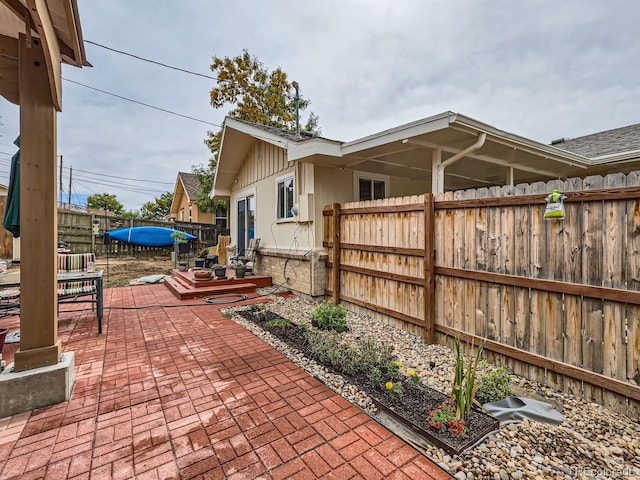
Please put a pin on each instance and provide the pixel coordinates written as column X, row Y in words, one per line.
column 184, row 292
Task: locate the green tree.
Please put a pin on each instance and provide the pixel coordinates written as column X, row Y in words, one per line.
column 100, row 201
column 257, row 95
column 159, row 208
column 205, row 179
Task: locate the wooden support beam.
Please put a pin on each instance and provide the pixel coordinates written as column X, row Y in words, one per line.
column 9, row 68
column 9, row 47
column 16, row 7
column 39, row 344
column 51, row 47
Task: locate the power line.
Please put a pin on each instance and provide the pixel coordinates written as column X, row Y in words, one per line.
column 119, row 178
column 141, row 103
column 151, row 61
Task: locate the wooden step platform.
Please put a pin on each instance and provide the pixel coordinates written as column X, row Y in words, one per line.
column 185, row 286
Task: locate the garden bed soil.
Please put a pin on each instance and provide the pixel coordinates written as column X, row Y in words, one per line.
column 411, row 408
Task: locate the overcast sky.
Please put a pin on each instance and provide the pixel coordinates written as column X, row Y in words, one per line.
column 542, row 69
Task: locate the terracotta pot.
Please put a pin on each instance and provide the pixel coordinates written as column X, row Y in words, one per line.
column 202, row 275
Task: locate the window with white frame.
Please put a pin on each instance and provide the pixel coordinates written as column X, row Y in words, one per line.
column 221, row 217
column 285, row 193
column 371, row 188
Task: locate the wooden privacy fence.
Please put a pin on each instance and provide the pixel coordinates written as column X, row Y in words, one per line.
column 77, row 230
column 557, row 301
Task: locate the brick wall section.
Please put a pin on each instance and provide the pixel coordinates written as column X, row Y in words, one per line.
column 305, row 271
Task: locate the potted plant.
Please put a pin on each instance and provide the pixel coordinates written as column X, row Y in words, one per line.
column 200, row 259
column 240, row 269
column 181, row 243
column 220, row 271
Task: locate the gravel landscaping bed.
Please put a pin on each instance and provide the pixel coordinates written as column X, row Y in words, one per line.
column 592, row 442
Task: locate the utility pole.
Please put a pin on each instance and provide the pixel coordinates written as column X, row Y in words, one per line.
column 296, row 86
column 70, row 174
column 60, row 176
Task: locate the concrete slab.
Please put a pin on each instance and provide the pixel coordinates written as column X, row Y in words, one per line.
column 39, row 387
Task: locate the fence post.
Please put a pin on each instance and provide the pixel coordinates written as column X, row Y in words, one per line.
column 429, row 269
column 335, row 258
column 93, row 237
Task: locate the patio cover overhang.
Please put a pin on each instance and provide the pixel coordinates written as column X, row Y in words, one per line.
column 452, row 150
column 455, row 152
column 36, row 36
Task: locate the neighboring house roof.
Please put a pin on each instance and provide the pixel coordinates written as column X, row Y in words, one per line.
column 190, row 183
column 600, row 144
column 186, row 185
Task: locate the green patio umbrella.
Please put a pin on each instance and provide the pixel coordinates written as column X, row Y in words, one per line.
column 12, row 211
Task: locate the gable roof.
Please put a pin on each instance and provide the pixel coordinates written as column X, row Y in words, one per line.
column 601, row 144
column 190, row 183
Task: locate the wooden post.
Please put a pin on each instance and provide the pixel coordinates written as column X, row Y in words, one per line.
column 429, row 268
column 335, row 258
column 39, row 344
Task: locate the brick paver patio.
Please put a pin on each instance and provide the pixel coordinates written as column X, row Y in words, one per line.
column 181, row 392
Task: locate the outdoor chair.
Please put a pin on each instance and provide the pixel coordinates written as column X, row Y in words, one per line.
column 69, row 292
column 248, row 257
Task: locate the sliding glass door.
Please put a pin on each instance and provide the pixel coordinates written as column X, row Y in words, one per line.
column 246, row 221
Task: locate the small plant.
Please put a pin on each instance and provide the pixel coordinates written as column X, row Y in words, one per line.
column 227, row 314
column 203, row 253
column 281, row 323
column 394, row 388
column 494, row 386
column 443, row 418
column 328, row 316
column 179, row 237
column 414, row 377
column 464, row 388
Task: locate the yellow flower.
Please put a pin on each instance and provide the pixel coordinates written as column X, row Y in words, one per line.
column 399, row 364
column 389, row 385
column 411, row 373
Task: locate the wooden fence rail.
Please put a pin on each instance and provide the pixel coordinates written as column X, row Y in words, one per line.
column 557, row 301
column 76, row 229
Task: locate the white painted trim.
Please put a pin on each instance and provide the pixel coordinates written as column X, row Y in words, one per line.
column 291, row 174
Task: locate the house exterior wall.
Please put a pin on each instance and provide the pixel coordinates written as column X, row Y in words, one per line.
column 291, row 250
column 401, row 187
column 284, row 244
column 196, row 215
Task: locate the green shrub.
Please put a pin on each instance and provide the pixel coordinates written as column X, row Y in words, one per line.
column 328, row 316
column 321, row 345
column 494, row 386
column 281, row 323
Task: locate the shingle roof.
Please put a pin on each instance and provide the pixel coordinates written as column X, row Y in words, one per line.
column 304, row 135
column 618, row 140
column 191, row 184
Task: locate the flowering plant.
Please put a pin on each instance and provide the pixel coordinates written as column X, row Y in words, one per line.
column 394, row 389
column 415, row 378
column 443, row 418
